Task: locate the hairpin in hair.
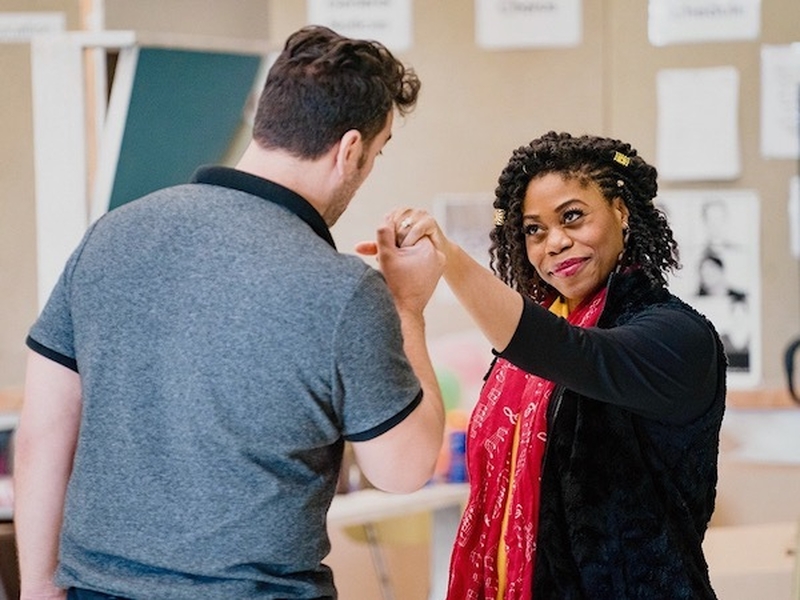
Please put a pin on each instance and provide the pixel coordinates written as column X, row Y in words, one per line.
column 499, row 217
column 620, row 183
column 622, row 159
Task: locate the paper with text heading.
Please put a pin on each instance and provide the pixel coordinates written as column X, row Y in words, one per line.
column 387, row 21
column 780, row 101
column 19, row 27
column 700, row 21
column 519, row 24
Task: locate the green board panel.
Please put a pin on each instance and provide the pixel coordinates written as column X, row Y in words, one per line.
column 184, row 111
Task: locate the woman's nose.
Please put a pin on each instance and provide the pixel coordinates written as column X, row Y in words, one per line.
column 557, row 240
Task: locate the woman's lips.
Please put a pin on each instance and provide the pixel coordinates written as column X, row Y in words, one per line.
column 569, row 267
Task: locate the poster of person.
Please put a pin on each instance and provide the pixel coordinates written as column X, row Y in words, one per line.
column 718, row 235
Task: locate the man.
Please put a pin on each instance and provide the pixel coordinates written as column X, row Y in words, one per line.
column 207, row 351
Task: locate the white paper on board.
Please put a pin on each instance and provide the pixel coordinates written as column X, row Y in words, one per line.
column 387, row 21
column 780, row 101
column 467, row 219
column 701, row 21
column 698, row 124
column 503, row 25
column 794, row 216
column 19, row 27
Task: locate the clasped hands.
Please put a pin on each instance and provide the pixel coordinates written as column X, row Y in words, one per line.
column 409, row 250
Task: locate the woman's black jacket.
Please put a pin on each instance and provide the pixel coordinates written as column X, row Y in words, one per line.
column 630, row 470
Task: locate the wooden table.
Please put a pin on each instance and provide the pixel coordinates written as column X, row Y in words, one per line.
column 444, row 501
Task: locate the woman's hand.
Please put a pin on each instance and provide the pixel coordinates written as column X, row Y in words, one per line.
column 411, row 225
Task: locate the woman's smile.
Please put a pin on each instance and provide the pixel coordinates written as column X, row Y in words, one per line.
column 568, row 267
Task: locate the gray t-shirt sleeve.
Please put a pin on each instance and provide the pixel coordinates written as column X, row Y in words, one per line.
column 52, row 333
column 375, row 386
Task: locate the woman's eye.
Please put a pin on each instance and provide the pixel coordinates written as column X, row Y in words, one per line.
column 530, row 229
column 572, row 214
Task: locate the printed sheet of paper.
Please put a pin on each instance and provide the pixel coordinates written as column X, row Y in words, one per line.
column 18, row 27
column 503, row 25
column 794, row 216
column 718, row 235
column 780, row 101
column 698, row 124
column 467, row 219
column 700, row 21
column 387, row 21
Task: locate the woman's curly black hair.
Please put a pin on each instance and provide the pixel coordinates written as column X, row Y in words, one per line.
column 591, row 159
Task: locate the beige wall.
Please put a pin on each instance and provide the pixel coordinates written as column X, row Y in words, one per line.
column 476, row 106
column 247, row 19
column 17, row 227
column 17, row 214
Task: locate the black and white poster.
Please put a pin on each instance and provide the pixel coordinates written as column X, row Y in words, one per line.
column 718, row 235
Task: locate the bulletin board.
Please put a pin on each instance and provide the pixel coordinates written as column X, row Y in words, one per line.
column 185, row 107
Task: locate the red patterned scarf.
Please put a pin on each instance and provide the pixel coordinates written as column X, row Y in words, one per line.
column 512, row 403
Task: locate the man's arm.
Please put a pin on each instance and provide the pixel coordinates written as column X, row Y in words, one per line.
column 404, row 458
column 44, row 448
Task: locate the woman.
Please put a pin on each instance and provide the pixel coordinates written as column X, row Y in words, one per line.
column 592, row 450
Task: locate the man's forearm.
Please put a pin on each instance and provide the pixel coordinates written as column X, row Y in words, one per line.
column 416, row 349
column 44, row 449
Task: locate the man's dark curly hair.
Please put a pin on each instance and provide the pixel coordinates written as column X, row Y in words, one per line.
column 591, row 160
column 322, row 85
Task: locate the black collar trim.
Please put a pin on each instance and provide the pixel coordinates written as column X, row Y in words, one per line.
column 268, row 190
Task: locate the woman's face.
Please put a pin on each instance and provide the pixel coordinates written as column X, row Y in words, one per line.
column 573, row 236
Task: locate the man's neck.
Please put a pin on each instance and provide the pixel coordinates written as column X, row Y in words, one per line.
column 307, row 178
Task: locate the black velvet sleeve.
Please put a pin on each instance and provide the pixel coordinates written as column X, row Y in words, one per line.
column 661, row 364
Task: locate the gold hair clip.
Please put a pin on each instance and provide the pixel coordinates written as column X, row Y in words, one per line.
column 499, row 217
column 620, row 158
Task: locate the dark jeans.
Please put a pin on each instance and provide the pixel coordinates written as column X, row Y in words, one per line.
column 79, row 594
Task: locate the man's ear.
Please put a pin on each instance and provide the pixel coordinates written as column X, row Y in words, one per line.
column 351, row 147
